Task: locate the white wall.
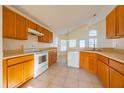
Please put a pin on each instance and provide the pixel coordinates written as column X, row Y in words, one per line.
column 0, row 46
column 83, row 33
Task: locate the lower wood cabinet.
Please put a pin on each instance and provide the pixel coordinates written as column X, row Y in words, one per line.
column 17, row 71
column 88, row 61
column 116, row 79
column 28, row 70
column 103, row 73
column 15, row 75
column 52, row 56
column 110, row 72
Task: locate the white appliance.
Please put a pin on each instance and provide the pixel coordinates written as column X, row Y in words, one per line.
column 34, row 32
column 73, row 59
column 40, row 63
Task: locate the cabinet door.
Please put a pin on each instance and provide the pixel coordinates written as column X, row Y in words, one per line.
column 84, row 60
column 50, row 58
column 32, row 25
column 15, row 75
column 40, row 29
column 103, row 73
column 50, row 37
column 8, row 23
column 111, row 25
column 120, row 20
column 21, row 27
column 28, row 70
column 116, row 79
column 93, row 64
column 46, row 36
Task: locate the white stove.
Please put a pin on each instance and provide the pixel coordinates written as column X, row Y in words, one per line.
column 40, row 60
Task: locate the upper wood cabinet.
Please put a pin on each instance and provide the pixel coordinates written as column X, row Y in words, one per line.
column 47, row 37
column 8, row 23
column 111, row 25
column 14, row 25
column 120, row 20
column 32, row 25
column 50, row 37
column 115, row 23
column 21, row 27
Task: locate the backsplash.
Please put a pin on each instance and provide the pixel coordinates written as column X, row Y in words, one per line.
column 120, row 43
column 12, row 44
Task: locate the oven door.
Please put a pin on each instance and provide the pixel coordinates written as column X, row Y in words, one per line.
column 42, row 59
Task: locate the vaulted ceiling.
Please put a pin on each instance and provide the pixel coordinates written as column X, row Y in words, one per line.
column 63, row 18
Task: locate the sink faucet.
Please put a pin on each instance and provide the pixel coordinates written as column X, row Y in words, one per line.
column 94, row 46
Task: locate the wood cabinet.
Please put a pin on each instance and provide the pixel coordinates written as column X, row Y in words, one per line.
column 15, row 75
column 120, row 20
column 8, row 23
column 111, row 24
column 18, row 70
column 115, row 23
column 52, row 56
column 88, row 61
column 103, row 73
column 21, row 27
column 47, row 37
column 84, row 60
column 14, row 25
column 32, row 25
column 110, row 72
column 28, row 70
column 50, row 37
column 116, row 79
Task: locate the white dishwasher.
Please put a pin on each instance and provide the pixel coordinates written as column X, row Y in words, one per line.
column 73, row 59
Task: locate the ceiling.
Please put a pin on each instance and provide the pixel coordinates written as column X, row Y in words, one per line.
column 63, row 18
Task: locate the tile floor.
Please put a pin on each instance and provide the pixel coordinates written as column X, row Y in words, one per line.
column 60, row 76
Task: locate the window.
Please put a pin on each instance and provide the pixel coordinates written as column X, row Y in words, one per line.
column 92, row 42
column 72, row 43
column 93, row 33
column 56, row 41
column 63, row 46
column 82, row 43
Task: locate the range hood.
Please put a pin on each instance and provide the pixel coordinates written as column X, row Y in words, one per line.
column 34, row 32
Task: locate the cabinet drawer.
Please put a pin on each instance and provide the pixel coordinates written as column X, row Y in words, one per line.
column 117, row 66
column 19, row 60
column 103, row 59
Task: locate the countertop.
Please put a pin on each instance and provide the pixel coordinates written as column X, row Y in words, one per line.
column 18, row 53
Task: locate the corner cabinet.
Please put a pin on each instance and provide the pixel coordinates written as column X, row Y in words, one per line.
column 115, row 23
